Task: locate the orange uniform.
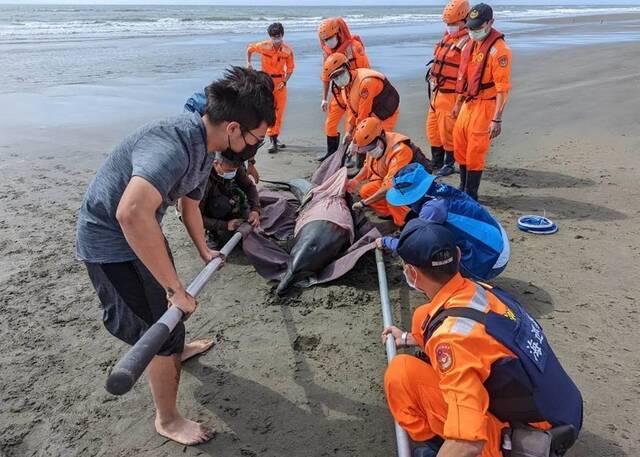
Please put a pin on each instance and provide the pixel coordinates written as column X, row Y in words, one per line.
column 443, row 77
column 353, row 49
column 471, row 132
column 371, row 94
column 378, row 174
column 447, row 398
column 278, row 63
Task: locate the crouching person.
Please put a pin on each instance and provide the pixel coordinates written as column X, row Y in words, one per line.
column 487, row 379
column 231, row 198
column 483, row 243
column 386, row 153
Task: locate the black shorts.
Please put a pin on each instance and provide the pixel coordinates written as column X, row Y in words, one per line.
column 132, row 300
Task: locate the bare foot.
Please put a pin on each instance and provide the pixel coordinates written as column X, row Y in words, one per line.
column 195, row 348
column 185, row 431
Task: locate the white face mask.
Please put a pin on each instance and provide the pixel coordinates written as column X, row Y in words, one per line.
column 451, row 29
column 410, row 282
column 342, row 79
column 377, row 152
column 479, row 35
column 276, row 41
column 332, row 42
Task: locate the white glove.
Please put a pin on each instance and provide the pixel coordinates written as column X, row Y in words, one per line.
column 324, row 105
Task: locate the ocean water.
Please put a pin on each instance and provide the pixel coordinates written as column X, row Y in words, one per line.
column 46, row 46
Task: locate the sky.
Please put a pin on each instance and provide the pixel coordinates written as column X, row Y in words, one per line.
column 317, row 2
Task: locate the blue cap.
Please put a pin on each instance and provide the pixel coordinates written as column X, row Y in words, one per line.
column 426, row 244
column 409, row 185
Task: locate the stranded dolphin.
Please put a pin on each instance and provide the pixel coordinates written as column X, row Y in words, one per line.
column 324, row 229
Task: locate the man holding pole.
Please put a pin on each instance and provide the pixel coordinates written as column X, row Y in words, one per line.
column 120, row 239
column 487, row 378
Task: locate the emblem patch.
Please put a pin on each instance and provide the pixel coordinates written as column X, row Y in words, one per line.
column 444, row 355
column 473, row 14
column 509, row 315
column 503, row 61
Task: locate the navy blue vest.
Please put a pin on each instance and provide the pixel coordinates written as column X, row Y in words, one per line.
column 532, row 387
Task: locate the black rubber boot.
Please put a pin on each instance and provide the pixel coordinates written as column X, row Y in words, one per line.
column 274, row 144
column 473, row 183
column 463, row 177
column 449, row 165
column 437, row 157
column 333, row 143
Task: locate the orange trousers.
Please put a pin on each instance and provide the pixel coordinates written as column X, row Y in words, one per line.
column 417, row 403
column 280, row 99
column 334, row 115
column 440, row 123
column 471, row 133
column 381, row 207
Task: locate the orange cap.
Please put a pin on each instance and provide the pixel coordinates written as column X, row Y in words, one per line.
column 455, row 11
column 328, row 28
column 334, row 62
column 367, row 131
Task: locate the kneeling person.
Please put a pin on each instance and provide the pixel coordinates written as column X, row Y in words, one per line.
column 487, row 367
column 483, row 242
column 230, row 199
column 386, row 153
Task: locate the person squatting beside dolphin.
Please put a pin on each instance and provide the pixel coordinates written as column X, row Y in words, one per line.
column 482, row 240
column 485, row 379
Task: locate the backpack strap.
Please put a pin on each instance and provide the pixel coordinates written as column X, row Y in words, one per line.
column 438, row 318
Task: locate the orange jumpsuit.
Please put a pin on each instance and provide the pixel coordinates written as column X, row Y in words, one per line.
column 448, row 398
column 379, row 173
column 354, row 51
column 278, row 63
column 471, row 132
column 444, row 74
column 360, row 94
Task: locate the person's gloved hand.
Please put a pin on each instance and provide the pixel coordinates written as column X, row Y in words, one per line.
column 324, row 105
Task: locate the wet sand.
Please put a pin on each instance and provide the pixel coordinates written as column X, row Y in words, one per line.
column 302, row 376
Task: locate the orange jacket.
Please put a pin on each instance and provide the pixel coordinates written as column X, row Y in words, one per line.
column 462, row 353
column 396, row 155
column 368, row 91
column 485, row 68
column 447, row 54
column 278, row 63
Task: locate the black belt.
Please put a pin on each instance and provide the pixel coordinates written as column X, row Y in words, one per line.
column 277, row 76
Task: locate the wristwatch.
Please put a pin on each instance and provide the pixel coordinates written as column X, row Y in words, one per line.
column 404, row 338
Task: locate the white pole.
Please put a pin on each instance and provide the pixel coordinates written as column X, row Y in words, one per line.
column 402, row 439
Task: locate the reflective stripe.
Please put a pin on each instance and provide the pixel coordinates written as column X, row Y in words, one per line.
column 463, row 326
column 480, row 302
column 505, row 253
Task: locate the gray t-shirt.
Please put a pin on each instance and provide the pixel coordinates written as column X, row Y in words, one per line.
column 171, row 154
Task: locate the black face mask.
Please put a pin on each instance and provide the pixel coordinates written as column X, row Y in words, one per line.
column 249, row 151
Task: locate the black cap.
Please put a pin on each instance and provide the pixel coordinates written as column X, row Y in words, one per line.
column 478, row 15
column 426, row 244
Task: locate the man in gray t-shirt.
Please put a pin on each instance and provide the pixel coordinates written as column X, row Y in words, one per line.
column 120, row 239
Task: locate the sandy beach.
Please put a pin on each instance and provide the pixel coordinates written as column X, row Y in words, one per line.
column 301, row 376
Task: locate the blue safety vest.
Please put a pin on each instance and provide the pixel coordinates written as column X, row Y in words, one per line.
column 483, row 243
column 532, row 387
